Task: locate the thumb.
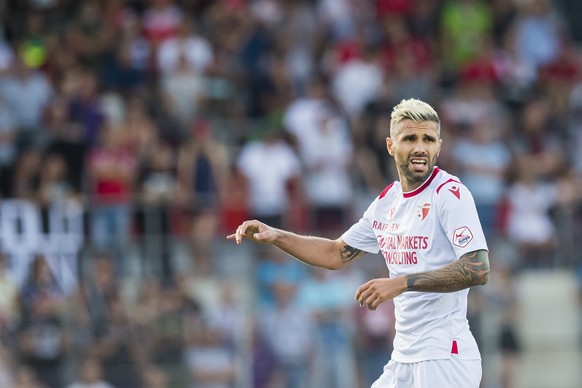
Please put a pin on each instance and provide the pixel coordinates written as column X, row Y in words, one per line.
column 264, row 236
column 260, row 236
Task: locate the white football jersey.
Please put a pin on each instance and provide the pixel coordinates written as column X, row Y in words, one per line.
column 417, row 231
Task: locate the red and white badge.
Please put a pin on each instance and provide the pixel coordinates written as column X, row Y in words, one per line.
column 462, row 236
column 422, row 211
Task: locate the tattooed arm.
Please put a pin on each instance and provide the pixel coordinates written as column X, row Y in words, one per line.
column 472, row 269
column 316, row 251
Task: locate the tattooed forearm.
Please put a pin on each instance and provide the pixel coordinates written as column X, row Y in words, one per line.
column 349, row 253
column 470, row 270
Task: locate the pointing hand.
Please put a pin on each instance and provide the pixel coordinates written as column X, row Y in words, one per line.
column 255, row 231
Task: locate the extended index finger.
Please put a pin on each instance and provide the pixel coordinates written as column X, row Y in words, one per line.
column 237, row 235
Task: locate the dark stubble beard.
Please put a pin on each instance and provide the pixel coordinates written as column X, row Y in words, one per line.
column 413, row 178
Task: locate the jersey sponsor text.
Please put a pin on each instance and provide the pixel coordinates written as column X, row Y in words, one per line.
column 399, row 250
column 385, row 226
column 400, row 258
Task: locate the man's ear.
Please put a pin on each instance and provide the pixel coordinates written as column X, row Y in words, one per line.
column 390, row 146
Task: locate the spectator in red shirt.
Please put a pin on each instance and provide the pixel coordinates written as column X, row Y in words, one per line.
column 111, row 169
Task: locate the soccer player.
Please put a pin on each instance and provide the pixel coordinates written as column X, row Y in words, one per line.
column 427, row 228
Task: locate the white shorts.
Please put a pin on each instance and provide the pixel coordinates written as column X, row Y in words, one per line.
column 450, row 373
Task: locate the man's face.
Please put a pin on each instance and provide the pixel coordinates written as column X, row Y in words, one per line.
column 415, row 147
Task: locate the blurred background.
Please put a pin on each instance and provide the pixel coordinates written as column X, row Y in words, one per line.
column 135, row 135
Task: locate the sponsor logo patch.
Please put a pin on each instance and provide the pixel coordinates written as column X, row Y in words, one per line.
column 462, row 236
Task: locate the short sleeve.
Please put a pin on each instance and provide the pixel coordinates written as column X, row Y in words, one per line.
column 460, row 220
column 361, row 235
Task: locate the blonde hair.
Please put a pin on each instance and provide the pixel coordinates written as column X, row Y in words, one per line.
column 415, row 110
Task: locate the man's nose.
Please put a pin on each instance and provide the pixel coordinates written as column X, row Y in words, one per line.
column 419, row 148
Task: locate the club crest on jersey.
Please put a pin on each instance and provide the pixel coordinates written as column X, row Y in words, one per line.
column 456, row 191
column 422, row 211
column 462, row 236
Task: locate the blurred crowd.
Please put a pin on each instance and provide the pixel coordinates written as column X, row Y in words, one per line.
column 134, row 135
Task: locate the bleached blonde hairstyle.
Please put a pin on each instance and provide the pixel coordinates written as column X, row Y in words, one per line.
column 415, row 110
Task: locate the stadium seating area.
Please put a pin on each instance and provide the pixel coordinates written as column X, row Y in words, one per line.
column 136, row 134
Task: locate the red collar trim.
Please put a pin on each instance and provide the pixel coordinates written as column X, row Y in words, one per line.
column 419, row 189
